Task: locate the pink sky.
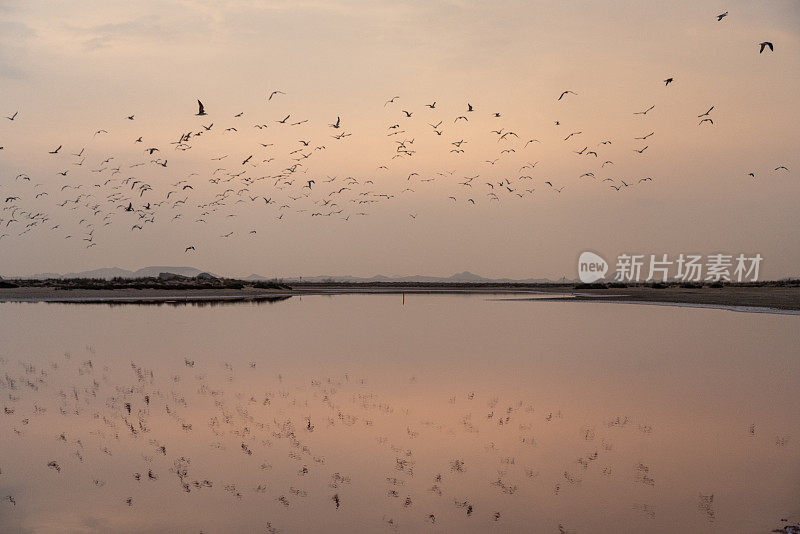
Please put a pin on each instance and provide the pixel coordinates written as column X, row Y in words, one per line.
column 73, row 70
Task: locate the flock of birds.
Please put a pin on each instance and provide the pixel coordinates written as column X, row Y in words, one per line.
column 90, row 190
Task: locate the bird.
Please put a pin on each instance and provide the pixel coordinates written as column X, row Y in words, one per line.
column 189, row 248
column 645, row 111
column 781, row 167
column 707, row 119
column 55, row 151
column 668, row 81
column 764, row 45
column 273, row 93
column 722, row 16
column 337, row 123
column 14, row 116
column 706, row 113
column 565, row 93
column 201, row 110
column 432, row 106
column 129, row 117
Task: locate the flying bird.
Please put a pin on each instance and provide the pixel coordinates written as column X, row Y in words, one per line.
column 722, row 16
column 567, row 92
column 764, row 45
column 706, row 113
column 201, row 110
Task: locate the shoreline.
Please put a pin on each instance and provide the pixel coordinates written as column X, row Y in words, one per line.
column 737, row 298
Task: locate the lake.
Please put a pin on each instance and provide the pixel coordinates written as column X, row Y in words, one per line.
column 364, row 413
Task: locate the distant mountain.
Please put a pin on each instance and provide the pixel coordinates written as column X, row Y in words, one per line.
column 147, row 272
column 108, row 273
column 255, row 277
column 155, row 270
column 466, row 276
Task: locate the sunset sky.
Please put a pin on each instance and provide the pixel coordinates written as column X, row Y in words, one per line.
column 71, row 69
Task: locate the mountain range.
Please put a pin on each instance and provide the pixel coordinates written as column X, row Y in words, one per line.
column 108, row 273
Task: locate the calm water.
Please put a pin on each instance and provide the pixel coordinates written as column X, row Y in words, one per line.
column 358, row 413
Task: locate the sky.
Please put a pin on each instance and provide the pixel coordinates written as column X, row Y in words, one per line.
column 71, row 70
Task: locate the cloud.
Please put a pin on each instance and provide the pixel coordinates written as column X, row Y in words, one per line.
column 14, row 36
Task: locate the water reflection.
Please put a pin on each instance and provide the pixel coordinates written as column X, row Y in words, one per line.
column 356, row 413
column 176, row 302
